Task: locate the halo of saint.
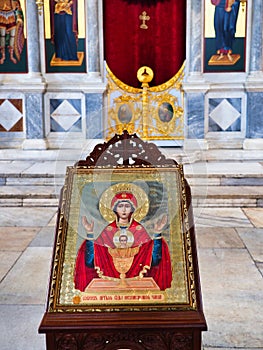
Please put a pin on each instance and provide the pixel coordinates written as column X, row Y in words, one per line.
column 107, row 196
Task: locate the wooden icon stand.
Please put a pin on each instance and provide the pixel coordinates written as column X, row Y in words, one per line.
column 159, row 308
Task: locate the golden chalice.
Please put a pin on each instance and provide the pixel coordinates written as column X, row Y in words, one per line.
column 123, row 259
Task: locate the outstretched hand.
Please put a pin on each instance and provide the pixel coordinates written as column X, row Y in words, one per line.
column 160, row 223
column 89, row 226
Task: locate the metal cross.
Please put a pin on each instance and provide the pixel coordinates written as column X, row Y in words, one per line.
column 144, row 18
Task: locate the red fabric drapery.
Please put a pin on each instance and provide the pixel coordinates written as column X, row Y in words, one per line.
column 161, row 46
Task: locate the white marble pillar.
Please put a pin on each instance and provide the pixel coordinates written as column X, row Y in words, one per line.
column 256, row 39
column 194, row 85
column 95, row 37
column 34, row 112
column 33, row 47
column 194, row 39
column 254, row 83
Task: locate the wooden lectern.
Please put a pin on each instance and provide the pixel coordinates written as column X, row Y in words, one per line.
column 124, row 272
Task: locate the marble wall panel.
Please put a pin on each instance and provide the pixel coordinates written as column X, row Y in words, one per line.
column 34, row 116
column 195, row 115
column 94, row 116
column 64, row 114
column 11, row 115
column 254, row 115
column 225, row 114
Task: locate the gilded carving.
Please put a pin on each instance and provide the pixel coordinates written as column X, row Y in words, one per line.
column 151, row 112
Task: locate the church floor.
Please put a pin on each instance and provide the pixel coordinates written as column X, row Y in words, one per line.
column 230, row 250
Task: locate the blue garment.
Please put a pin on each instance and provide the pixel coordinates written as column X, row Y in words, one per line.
column 225, row 25
column 89, row 254
column 64, row 38
column 157, row 249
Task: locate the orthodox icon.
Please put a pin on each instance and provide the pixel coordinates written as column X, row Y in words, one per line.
column 122, row 241
column 166, row 112
column 225, row 27
column 12, row 36
column 124, row 252
column 64, row 44
column 124, row 113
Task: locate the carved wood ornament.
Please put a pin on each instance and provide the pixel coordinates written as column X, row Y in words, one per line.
column 125, row 150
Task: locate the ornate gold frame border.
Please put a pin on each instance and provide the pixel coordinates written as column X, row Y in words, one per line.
column 60, row 266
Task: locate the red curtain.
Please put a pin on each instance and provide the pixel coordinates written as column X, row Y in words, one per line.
column 161, row 46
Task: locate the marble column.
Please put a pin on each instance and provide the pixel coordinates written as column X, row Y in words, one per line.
column 33, row 95
column 254, row 84
column 33, row 37
column 256, row 37
column 194, row 39
column 194, row 85
column 94, row 14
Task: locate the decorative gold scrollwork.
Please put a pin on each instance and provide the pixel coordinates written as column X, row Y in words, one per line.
column 154, row 113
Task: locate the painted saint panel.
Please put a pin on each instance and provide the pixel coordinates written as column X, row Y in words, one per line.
column 225, row 35
column 13, row 53
column 65, row 36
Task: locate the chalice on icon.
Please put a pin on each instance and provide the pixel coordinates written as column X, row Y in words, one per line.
column 123, row 259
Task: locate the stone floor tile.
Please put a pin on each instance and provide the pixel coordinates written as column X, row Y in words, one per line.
column 221, row 217
column 7, row 259
column 234, row 321
column 253, row 240
column 19, row 327
column 218, row 237
column 260, row 267
column 53, row 220
column 255, row 215
column 27, row 282
column 24, row 216
column 232, row 295
column 44, row 238
column 16, row 238
column 228, row 269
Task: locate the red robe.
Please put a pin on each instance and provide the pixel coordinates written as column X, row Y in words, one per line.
column 162, row 273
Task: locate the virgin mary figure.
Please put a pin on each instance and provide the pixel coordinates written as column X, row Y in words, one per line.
column 123, row 237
